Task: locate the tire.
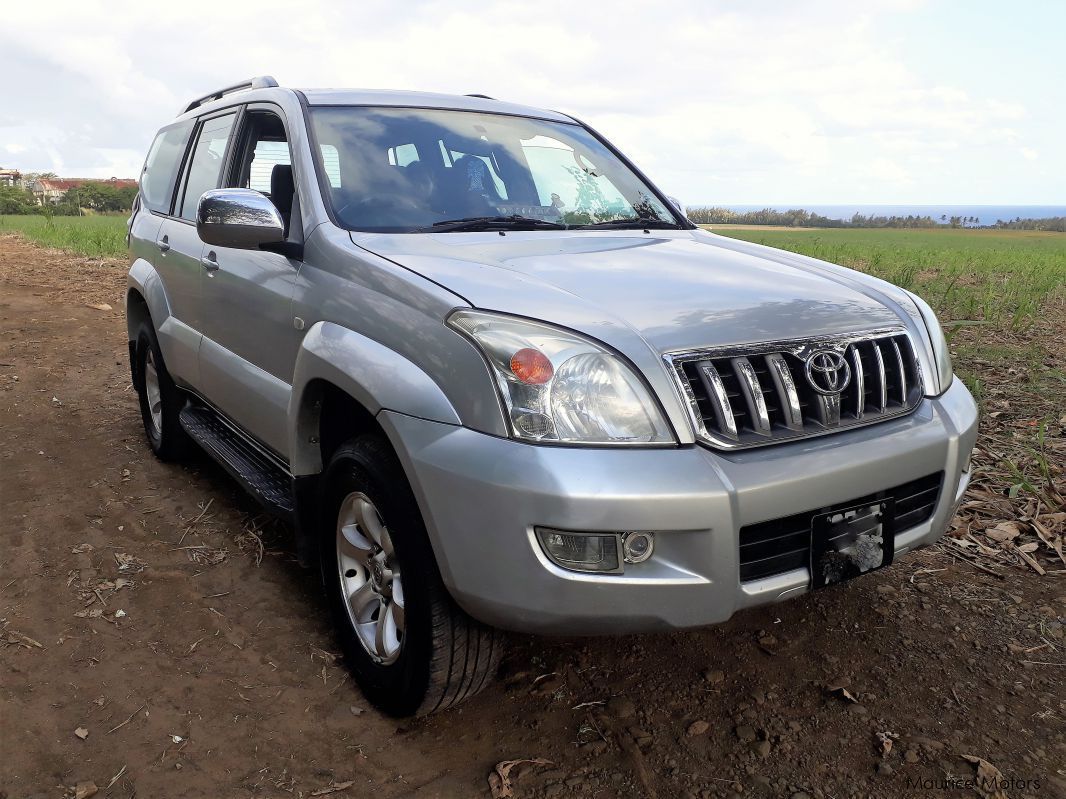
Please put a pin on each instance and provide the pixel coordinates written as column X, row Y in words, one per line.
column 430, row 655
column 161, row 401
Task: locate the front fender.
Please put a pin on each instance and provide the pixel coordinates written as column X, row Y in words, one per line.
column 377, row 377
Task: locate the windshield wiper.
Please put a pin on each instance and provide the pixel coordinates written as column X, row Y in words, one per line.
column 633, row 222
column 513, row 222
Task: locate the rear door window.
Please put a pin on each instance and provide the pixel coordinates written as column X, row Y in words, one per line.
column 162, row 165
column 208, row 158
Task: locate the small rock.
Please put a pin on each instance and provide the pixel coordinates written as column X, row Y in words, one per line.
column 761, row 748
column 746, row 733
column 698, row 727
column 595, row 748
column 884, row 769
column 641, row 737
column 82, row 733
column 714, row 676
column 910, row 756
column 621, row 707
column 83, row 790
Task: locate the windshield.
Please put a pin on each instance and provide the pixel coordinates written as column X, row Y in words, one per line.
column 405, row 169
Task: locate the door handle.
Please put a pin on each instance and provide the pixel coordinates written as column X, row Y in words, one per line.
column 209, row 263
column 163, row 244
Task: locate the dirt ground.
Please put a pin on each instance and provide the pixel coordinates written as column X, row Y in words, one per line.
column 158, row 639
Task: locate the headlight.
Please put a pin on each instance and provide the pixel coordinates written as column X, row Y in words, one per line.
column 560, row 386
column 940, row 346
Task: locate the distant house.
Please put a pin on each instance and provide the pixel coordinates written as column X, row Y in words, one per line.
column 10, row 177
column 51, row 190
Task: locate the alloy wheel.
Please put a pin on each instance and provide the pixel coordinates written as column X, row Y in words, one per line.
column 151, row 388
column 370, row 578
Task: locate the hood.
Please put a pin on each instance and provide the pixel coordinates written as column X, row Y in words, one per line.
column 677, row 289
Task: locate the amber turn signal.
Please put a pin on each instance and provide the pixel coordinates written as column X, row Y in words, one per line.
column 532, row 366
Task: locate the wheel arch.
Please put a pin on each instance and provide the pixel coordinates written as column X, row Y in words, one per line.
column 342, row 380
column 146, row 298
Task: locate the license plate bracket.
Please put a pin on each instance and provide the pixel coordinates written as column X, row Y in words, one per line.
column 847, row 542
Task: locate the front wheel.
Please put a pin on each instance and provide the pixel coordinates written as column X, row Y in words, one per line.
column 412, row 650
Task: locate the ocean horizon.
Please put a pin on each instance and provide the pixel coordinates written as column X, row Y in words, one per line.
column 986, row 214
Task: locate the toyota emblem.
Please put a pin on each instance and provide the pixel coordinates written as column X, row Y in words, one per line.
column 828, row 372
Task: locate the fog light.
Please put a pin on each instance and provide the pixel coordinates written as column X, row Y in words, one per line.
column 637, row 547
column 580, row 551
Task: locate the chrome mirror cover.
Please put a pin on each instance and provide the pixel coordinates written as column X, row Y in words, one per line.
column 239, row 218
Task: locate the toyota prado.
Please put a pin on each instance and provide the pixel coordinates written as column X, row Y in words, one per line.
column 495, row 379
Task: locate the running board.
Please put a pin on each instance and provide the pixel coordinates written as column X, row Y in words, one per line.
column 260, row 476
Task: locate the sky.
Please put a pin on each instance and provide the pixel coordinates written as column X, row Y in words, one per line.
column 819, row 102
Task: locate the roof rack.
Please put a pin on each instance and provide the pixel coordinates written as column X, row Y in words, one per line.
column 262, row 82
column 482, row 96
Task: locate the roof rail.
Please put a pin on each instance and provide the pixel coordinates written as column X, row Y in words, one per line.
column 262, row 82
column 482, row 96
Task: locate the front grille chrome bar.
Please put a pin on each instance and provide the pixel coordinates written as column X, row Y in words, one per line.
column 881, row 381
column 759, row 394
column 786, row 387
column 752, row 391
column 902, row 373
column 723, row 415
column 860, row 383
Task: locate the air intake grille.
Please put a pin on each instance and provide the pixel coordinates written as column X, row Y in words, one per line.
column 781, row 545
column 761, row 394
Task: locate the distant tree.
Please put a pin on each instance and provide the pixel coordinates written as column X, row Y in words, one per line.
column 15, row 200
column 101, row 196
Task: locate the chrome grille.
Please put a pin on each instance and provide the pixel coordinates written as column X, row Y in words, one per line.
column 761, row 394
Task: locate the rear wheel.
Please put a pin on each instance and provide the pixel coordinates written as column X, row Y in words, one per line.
column 161, row 401
column 412, row 650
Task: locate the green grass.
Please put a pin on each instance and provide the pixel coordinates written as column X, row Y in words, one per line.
column 1002, row 277
column 96, row 236
column 991, row 276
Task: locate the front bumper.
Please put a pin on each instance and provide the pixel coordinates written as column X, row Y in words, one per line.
column 481, row 497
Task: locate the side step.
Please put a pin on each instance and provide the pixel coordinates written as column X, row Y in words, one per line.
column 260, row 476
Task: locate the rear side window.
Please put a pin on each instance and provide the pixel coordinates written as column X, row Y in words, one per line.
column 161, row 166
column 208, row 158
column 265, row 157
column 331, row 164
column 263, row 145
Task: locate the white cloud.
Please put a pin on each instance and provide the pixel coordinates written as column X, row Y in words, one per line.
column 717, row 101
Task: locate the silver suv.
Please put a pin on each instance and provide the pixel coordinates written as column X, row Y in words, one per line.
column 494, row 378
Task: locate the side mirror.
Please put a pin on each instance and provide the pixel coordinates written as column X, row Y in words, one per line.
column 239, row 218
